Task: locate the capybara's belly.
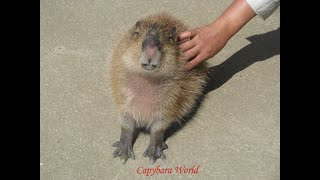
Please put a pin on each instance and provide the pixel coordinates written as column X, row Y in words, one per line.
column 145, row 99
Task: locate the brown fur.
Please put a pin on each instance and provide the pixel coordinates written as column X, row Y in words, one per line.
column 158, row 98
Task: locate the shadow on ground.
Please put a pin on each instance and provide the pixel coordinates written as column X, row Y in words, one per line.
column 262, row 47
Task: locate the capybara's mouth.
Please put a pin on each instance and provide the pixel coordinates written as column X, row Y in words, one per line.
column 149, row 67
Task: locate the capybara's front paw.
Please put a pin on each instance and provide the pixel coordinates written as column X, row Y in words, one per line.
column 124, row 151
column 155, row 151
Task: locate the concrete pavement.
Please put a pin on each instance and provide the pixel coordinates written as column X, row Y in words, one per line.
column 234, row 135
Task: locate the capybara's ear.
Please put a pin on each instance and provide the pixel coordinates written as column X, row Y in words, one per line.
column 138, row 24
column 173, row 34
column 136, row 29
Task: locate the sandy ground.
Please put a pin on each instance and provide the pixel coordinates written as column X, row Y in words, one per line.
column 234, row 135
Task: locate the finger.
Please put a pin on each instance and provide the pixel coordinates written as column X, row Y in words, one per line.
column 116, row 153
column 152, row 160
column 146, row 153
column 194, row 62
column 123, row 160
column 193, row 52
column 165, row 146
column 116, row 144
column 162, row 156
column 131, row 154
column 186, row 34
column 187, row 45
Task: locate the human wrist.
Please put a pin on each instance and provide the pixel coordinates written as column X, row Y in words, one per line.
column 224, row 27
column 222, row 30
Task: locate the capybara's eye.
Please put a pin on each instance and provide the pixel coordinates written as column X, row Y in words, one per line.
column 171, row 39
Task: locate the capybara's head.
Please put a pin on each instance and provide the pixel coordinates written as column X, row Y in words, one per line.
column 153, row 46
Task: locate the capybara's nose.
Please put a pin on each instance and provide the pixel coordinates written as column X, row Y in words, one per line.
column 151, row 51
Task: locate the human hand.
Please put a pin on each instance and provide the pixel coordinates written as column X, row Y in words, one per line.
column 205, row 42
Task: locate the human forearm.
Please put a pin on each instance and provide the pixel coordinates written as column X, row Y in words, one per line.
column 234, row 18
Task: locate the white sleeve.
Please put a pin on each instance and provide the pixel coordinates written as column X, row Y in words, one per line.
column 263, row 8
